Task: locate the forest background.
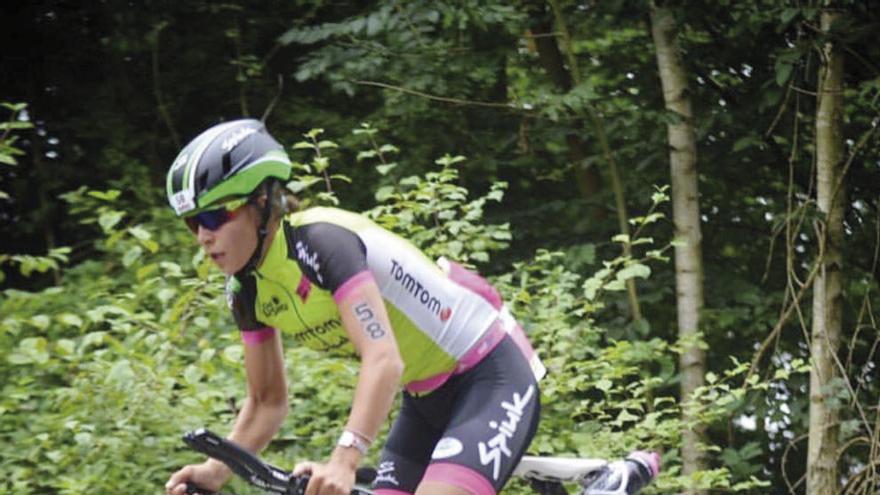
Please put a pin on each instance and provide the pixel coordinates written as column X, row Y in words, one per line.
column 679, row 201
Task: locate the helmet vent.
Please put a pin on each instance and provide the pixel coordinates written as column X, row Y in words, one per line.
column 203, row 180
column 227, row 164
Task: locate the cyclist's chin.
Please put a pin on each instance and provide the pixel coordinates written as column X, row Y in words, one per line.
column 227, row 264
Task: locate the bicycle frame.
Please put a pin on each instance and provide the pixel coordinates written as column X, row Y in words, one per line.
column 546, row 474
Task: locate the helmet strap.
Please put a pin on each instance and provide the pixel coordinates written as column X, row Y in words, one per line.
column 262, row 231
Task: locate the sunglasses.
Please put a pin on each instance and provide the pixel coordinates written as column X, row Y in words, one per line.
column 214, row 219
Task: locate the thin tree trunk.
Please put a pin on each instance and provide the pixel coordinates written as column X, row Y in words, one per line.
column 589, row 180
column 686, row 216
column 822, row 449
column 601, row 136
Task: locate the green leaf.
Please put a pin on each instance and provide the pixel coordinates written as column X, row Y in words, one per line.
column 165, row 295
column 84, row 439
column 40, row 321
column 314, row 133
column 604, row 385
column 634, row 270
column 132, row 255
column 121, row 374
column 783, row 72
column 140, row 232
column 109, row 219
column 71, row 320
column 384, row 169
column 233, row 354
column 65, row 347
column 31, row 350
column 363, row 155
column 109, row 195
column 789, row 14
column 192, row 374
column 383, row 193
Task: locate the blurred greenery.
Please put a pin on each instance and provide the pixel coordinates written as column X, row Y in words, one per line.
column 458, row 125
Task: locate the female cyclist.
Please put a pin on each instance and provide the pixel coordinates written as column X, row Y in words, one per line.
column 336, row 282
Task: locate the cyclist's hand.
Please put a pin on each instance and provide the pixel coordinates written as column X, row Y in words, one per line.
column 333, row 478
column 210, row 475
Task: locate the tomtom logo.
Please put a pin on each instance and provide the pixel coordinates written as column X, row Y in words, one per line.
column 415, row 288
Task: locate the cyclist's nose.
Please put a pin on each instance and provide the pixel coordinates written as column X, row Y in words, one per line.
column 205, row 236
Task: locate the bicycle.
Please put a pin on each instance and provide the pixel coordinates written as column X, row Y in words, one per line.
column 545, row 474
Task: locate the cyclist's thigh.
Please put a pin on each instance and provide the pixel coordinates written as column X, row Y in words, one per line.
column 406, row 452
column 494, row 417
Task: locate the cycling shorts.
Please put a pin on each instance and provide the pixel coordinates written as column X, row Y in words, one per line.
column 470, row 432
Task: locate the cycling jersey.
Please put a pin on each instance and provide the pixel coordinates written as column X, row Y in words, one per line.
column 321, row 254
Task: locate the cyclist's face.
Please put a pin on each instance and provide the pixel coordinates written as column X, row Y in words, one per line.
column 231, row 245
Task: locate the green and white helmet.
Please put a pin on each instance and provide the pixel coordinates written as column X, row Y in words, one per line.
column 228, row 160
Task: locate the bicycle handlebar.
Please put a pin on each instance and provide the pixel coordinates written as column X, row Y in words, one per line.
column 244, row 464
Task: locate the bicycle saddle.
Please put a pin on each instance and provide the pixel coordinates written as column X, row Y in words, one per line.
column 557, row 468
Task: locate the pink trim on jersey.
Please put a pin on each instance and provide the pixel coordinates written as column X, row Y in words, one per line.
column 428, row 384
column 390, row 491
column 251, row 337
column 304, row 288
column 470, row 280
column 351, row 284
column 482, row 348
column 477, row 352
column 461, row 476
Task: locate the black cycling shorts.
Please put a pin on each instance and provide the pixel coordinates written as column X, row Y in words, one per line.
column 470, row 432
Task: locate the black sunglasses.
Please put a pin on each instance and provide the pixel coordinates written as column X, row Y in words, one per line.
column 215, row 218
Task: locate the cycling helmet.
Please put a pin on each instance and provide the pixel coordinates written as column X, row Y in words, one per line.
column 226, row 161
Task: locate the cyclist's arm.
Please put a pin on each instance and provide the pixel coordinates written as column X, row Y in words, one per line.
column 366, row 322
column 265, row 406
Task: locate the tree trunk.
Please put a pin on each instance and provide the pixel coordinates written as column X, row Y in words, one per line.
column 686, row 216
column 827, row 298
column 552, row 58
column 589, row 180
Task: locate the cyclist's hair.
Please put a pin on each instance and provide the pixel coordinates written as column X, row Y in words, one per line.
column 282, row 202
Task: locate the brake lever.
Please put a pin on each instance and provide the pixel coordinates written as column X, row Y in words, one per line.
column 242, row 462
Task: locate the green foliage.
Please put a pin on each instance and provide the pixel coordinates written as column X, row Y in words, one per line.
column 468, row 79
column 8, row 149
column 27, row 264
column 107, row 369
column 434, row 214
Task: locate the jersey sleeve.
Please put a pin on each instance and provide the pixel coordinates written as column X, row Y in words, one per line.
column 329, row 255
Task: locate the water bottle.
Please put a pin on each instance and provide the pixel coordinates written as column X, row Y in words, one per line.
column 624, row 477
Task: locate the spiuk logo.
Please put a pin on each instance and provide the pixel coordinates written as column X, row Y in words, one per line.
column 491, row 452
column 233, row 140
column 385, row 474
column 309, row 259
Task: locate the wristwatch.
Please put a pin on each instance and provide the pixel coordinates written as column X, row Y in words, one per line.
column 349, row 439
